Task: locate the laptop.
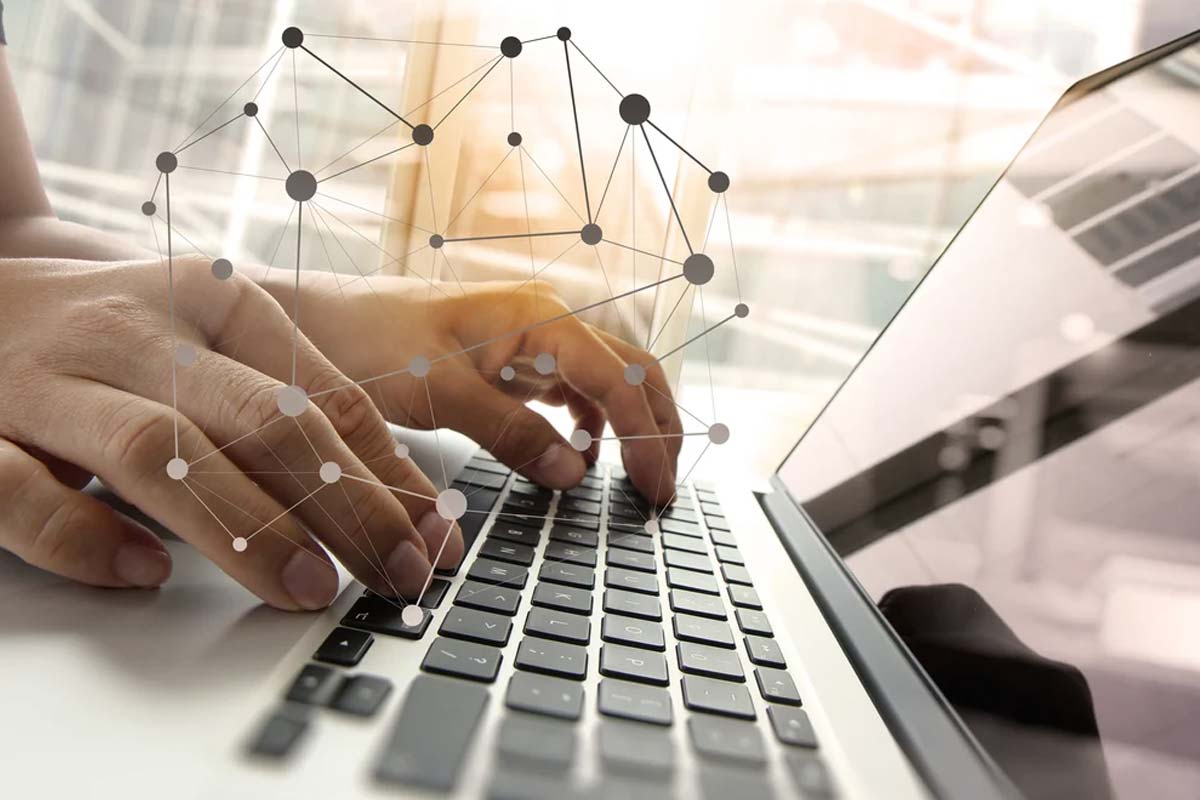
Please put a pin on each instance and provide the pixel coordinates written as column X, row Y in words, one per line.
column 977, row 575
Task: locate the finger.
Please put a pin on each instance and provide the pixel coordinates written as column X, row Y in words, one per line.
column 71, row 534
column 588, row 418
column 657, row 390
column 128, row 440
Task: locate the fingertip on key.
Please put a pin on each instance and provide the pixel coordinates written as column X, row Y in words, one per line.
column 559, row 467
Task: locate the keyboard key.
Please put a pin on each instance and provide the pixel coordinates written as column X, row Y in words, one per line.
column 792, row 726
column 570, row 628
column 434, row 593
column 461, row 659
column 344, row 647
column 680, row 511
column 379, row 615
column 567, row 574
column 362, row 695
column 280, row 732
column 700, row 604
column 713, row 662
column 708, row 508
column 578, row 505
column 548, row 744
column 723, row 538
column 635, row 701
column 809, row 775
column 476, row 626
column 541, row 694
column 735, row 573
column 643, row 666
column 535, row 505
column 432, row 733
column 316, row 685
column 522, row 486
column 477, row 479
column 630, row 541
column 729, row 555
column 692, row 561
column 643, row 606
column 577, row 519
column 692, row 581
column 776, row 686
column 564, row 598
column 513, row 553
column 564, row 553
column 511, row 532
column 633, row 632
column 630, row 559
column 765, row 652
column 483, row 465
column 592, row 482
column 585, row 493
column 571, row 535
column 753, row 622
column 688, row 530
column 621, row 510
column 675, row 541
column 619, row 578
column 515, row 515
column 552, row 658
column 638, row 748
column 499, row 599
column 716, row 523
column 744, row 597
column 717, row 697
column 735, row 739
column 485, row 570
column 713, row 632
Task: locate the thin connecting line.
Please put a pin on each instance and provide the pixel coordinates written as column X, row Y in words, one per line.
column 453, row 272
column 613, row 172
column 393, row 151
column 210, row 133
column 212, row 513
column 271, row 141
column 267, row 79
column 286, row 511
column 732, row 252
column 647, row 436
column 608, row 285
column 511, row 236
column 296, row 294
column 475, row 193
column 231, row 172
column 712, row 391
column 539, row 39
column 361, row 275
column 643, row 252
column 363, row 143
column 533, row 160
column 433, row 564
column 279, row 242
column 184, row 236
column 551, row 263
column 374, row 213
column 651, row 342
column 174, row 335
column 395, row 489
column 231, row 443
column 705, row 332
column 578, row 138
column 233, row 94
column 537, row 300
column 679, row 147
column 666, row 189
column 467, row 93
column 399, row 41
column 328, row 258
column 436, row 436
column 598, row 72
column 364, row 92
column 429, row 185
column 296, row 108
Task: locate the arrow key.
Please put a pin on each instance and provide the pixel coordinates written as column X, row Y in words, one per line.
column 344, row 647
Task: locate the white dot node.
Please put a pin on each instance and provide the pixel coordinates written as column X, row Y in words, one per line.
column 412, row 615
column 330, row 472
column 992, row 437
column 507, row 373
column 1077, row 327
column 239, row 544
column 292, row 400
column 177, row 469
column 580, row 439
column 451, row 504
column 185, row 354
column 635, row 374
column 419, row 366
column 718, row 433
column 651, row 527
column 401, row 450
column 544, row 364
column 953, row 457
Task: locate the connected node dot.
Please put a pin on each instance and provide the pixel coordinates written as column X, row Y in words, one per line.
column 698, row 269
column 422, row 134
column 222, row 268
column 292, row 400
column 514, row 139
column 301, row 185
column 177, row 469
column 564, row 33
column 543, row 363
column 293, row 37
column 580, row 439
column 1077, row 327
column 436, row 241
column 185, row 354
column 239, row 544
column 412, row 615
column 401, row 450
column 741, row 310
column 718, row 433
column 250, row 109
column 634, row 109
column 451, row 504
column 591, row 234
column 507, row 373
column 718, row 182
column 166, row 162
column 149, row 209
column 510, row 46
column 651, row 527
column 419, row 366
column 635, row 374
column 330, row 472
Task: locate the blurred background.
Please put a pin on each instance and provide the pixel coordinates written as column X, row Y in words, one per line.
column 858, row 136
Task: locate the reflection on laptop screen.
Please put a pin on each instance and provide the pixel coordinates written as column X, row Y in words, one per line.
column 1013, row 472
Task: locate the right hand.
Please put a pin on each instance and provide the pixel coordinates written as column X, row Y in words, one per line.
column 85, row 351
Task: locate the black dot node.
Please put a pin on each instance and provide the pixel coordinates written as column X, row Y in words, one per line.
column 564, row 33
column 511, row 46
column 293, row 37
column 436, row 241
column 250, row 109
column 166, row 162
column 698, row 269
column 422, row 134
column 591, row 234
column 301, row 185
column 514, row 139
column 741, row 310
column 635, row 109
column 148, row 208
column 718, row 182
column 222, row 268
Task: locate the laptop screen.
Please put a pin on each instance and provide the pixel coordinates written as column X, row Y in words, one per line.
column 1013, row 471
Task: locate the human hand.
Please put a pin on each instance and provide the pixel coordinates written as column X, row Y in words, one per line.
column 86, row 350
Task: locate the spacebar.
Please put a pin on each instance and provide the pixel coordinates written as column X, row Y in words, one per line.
column 432, row 732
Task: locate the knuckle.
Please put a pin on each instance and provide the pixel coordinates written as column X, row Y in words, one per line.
column 139, row 439
column 62, row 525
column 347, row 406
column 257, row 404
column 17, row 471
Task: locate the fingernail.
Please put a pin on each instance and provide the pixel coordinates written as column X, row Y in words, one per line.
column 406, row 566
column 140, row 565
column 310, row 581
column 559, row 467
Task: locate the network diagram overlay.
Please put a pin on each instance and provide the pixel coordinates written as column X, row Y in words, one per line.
column 302, row 187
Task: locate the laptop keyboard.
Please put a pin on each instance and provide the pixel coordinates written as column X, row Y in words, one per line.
column 597, row 569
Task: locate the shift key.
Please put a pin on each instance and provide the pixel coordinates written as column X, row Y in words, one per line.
column 432, row 733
